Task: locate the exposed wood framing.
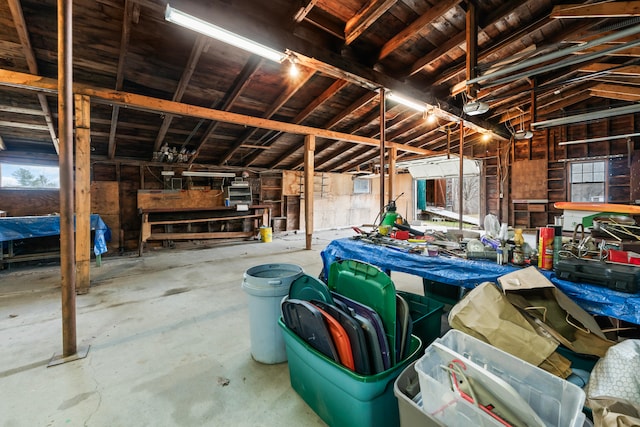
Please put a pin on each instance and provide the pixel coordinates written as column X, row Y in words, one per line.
column 83, row 193
column 64, row 85
column 23, row 35
column 425, row 19
column 326, row 95
column 277, row 105
column 198, row 47
column 365, row 18
column 618, row 9
column 124, row 48
column 241, row 81
column 147, row 103
column 309, row 147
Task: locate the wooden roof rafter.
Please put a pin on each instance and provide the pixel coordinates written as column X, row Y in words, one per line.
column 357, row 104
column 617, row 9
column 425, row 19
column 125, row 37
column 198, row 48
column 150, row 104
column 284, row 97
column 366, row 17
column 233, row 93
column 32, row 64
column 332, row 90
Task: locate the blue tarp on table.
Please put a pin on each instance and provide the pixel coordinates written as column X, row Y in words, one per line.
column 26, row 227
column 470, row 273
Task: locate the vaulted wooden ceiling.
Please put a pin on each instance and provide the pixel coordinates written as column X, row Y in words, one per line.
column 346, row 51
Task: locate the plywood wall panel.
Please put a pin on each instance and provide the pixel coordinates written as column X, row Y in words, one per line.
column 29, row 202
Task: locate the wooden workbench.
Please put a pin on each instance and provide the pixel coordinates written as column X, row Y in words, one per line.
column 195, row 214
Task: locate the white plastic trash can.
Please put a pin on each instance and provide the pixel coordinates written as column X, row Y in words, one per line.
column 266, row 285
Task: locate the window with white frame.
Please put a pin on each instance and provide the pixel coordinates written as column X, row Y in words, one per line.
column 588, row 181
column 361, row 186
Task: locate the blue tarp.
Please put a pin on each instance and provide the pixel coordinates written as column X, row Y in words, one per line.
column 26, row 227
column 470, row 273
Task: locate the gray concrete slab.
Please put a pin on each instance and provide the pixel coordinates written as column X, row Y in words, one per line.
column 169, row 337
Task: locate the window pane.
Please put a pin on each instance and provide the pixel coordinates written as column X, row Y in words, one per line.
column 587, row 167
column 576, row 177
column 29, row 176
column 589, row 192
column 598, row 166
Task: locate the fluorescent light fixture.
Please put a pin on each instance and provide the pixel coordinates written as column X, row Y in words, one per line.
column 167, row 173
column 419, row 106
column 196, row 24
column 602, row 138
column 209, row 174
column 2, row 146
column 475, row 108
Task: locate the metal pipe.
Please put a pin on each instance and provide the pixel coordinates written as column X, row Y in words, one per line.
column 461, row 179
column 382, row 148
column 595, row 115
column 560, row 53
column 554, row 66
column 602, row 138
column 65, row 125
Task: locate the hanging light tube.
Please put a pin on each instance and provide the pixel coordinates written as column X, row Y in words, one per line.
column 208, row 29
column 602, row 138
column 419, row 106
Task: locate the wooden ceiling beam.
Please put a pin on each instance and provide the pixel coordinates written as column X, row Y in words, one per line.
column 617, row 9
column 16, row 125
column 355, row 155
column 504, row 42
column 318, row 101
column 156, row 105
column 328, row 61
column 574, row 97
column 613, row 91
column 304, row 11
column 20, row 110
column 124, row 48
column 439, row 8
column 241, row 81
column 459, row 39
column 632, row 81
column 291, row 90
column 32, row 64
column 190, row 67
column 366, row 17
column 339, row 145
column 609, row 69
column 631, row 51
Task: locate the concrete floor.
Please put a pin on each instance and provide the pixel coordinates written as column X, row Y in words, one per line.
column 168, row 336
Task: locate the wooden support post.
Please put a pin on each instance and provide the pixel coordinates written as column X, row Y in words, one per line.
column 461, row 179
column 83, row 193
column 383, row 115
column 309, row 148
column 65, row 126
column 393, row 154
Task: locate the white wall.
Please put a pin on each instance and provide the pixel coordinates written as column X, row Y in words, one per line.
column 335, row 204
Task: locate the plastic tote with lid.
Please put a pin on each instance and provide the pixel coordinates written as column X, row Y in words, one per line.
column 266, row 285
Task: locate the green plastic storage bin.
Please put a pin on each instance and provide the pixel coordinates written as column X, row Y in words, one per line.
column 340, row 397
column 426, row 316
